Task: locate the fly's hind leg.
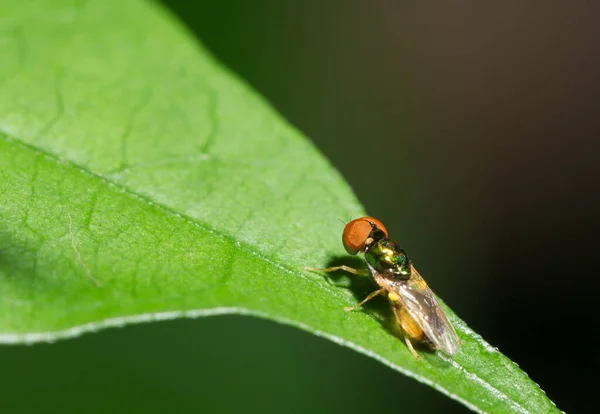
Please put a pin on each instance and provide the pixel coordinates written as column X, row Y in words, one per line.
column 411, row 348
column 409, row 328
column 334, row 268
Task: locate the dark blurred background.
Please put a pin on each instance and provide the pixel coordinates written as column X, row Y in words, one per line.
column 486, row 117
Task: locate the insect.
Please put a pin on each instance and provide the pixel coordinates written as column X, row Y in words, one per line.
column 417, row 311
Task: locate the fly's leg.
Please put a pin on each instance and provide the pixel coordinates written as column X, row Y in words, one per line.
column 411, row 348
column 405, row 333
column 368, row 298
column 355, row 272
column 344, row 268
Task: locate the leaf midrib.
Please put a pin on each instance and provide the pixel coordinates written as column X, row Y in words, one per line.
column 247, row 247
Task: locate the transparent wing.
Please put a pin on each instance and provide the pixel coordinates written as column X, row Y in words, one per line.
column 422, row 305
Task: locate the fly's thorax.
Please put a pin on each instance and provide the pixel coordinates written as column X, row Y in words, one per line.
column 384, row 256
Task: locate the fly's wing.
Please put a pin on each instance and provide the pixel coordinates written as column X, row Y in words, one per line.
column 424, row 308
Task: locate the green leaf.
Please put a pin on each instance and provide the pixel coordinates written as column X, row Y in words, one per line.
column 141, row 181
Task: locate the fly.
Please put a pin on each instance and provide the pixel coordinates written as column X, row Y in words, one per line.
column 417, row 311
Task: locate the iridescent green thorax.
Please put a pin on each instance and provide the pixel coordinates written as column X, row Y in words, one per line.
column 385, row 256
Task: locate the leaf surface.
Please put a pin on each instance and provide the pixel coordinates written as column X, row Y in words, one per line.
column 140, row 180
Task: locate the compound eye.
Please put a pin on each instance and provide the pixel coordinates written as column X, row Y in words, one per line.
column 357, row 232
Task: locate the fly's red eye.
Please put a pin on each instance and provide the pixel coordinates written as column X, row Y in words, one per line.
column 357, row 232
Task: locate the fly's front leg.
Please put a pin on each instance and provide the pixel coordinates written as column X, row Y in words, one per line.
column 344, row 268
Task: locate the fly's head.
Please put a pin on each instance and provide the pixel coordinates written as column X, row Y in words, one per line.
column 360, row 234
